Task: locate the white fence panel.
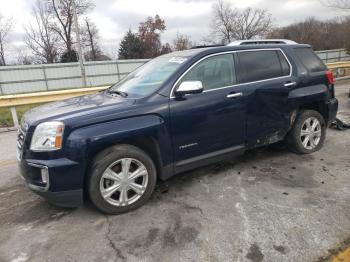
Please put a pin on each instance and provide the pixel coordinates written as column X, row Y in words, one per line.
column 335, row 55
column 102, row 80
column 36, row 78
column 125, row 66
column 23, row 87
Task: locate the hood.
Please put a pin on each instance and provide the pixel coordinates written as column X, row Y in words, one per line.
column 75, row 107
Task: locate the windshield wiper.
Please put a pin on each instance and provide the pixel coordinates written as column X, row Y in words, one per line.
column 118, row 92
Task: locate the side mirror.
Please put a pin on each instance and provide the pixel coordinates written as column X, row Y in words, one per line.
column 189, row 87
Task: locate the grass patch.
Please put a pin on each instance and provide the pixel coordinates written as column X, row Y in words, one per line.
column 6, row 117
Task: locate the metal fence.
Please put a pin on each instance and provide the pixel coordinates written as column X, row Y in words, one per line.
column 36, row 78
column 335, row 55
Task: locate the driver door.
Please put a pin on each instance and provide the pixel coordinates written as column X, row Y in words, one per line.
column 212, row 123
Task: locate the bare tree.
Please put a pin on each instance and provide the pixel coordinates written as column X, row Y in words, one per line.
column 23, row 58
column 322, row 35
column 252, row 23
column 346, row 30
column 223, row 22
column 90, row 39
column 182, row 42
column 40, row 38
column 230, row 23
column 63, row 12
column 5, row 29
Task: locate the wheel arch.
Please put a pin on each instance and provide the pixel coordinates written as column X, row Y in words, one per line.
column 318, row 106
column 148, row 132
column 147, row 144
column 313, row 97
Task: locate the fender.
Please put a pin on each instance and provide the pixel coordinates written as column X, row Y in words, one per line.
column 83, row 143
column 309, row 93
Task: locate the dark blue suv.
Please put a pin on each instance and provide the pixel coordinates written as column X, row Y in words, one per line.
column 175, row 113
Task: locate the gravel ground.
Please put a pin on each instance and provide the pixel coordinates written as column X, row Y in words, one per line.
column 268, row 205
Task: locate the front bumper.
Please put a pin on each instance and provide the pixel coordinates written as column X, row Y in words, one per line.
column 332, row 110
column 71, row 198
column 59, row 181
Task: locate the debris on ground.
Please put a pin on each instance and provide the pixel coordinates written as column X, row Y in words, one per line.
column 342, row 121
column 251, row 178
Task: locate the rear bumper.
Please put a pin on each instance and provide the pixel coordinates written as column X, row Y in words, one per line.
column 59, row 180
column 332, row 110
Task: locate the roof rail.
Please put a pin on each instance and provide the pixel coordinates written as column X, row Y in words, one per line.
column 262, row 42
column 204, row 46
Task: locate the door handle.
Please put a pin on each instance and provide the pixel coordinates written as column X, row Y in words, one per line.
column 290, row 84
column 234, row 95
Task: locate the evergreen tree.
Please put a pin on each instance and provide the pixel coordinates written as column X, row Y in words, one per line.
column 69, row 56
column 166, row 49
column 131, row 47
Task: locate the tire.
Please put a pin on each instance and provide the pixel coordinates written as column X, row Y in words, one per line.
column 110, row 185
column 301, row 130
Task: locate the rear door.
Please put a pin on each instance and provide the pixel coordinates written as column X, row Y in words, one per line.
column 265, row 78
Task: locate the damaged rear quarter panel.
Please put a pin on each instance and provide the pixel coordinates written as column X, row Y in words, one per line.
column 307, row 95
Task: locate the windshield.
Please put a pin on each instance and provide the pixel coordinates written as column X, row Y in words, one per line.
column 149, row 77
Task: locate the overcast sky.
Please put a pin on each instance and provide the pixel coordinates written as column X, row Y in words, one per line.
column 192, row 17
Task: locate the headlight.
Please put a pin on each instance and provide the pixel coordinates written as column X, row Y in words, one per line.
column 47, row 136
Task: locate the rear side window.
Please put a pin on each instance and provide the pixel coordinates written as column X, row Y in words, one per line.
column 309, row 59
column 284, row 64
column 262, row 65
column 214, row 72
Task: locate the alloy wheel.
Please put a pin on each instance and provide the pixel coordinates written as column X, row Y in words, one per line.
column 311, row 132
column 124, row 182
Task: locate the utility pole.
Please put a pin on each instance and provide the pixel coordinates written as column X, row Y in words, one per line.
column 80, row 53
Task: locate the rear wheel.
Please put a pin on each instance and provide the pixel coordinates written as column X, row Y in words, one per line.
column 122, row 178
column 308, row 133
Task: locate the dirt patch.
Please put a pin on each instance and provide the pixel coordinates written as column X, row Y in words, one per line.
column 254, row 253
column 172, row 234
column 301, row 177
column 280, row 249
column 145, row 241
column 21, row 206
column 177, row 234
column 221, row 167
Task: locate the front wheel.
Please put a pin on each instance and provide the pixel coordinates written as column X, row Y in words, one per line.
column 122, row 178
column 308, row 133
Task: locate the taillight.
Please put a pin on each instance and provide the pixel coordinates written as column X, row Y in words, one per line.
column 330, row 77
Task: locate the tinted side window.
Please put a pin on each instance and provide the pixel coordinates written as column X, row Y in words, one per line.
column 214, row 72
column 261, row 65
column 310, row 60
column 284, row 64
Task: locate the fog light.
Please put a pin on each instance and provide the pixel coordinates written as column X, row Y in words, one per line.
column 45, row 175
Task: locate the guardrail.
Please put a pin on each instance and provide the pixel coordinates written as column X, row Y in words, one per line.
column 12, row 101
column 341, row 71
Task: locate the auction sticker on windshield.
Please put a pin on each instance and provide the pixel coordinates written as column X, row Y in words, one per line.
column 178, row 60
